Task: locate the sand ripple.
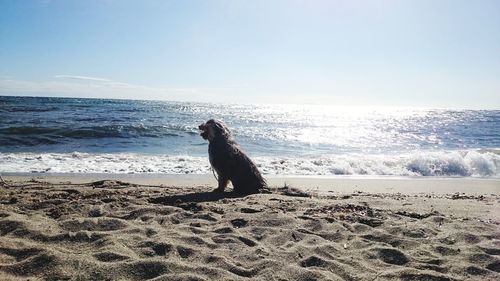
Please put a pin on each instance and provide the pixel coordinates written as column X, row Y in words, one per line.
column 117, row 231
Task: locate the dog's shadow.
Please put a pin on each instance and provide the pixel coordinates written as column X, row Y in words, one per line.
column 189, row 201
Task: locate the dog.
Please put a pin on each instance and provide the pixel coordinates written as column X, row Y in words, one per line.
column 229, row 161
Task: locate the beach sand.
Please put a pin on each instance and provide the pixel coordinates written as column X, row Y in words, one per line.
column 117, row 227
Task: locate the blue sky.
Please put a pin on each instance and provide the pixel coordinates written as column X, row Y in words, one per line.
column 383, row 53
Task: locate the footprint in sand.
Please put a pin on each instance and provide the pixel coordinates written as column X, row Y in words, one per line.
column 109, row 257
column 313, row 261
column 159, row 249
column 494, row 266
column 238, row 223
column 33, row 264
column 17, row 255
column 144, row 270
column 8, row 226
column 391, row 256
column 185, row 252
column 100, row 224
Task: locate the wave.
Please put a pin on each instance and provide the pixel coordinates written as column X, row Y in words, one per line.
column 31, row 135
column 28, row 109
column 471, row 163
column 26, row 130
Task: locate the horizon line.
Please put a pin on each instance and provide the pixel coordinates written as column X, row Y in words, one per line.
column 261, row 103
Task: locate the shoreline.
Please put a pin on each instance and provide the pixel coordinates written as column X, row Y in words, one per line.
column 318, row 184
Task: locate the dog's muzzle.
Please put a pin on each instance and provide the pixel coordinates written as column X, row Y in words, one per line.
column 204, row 131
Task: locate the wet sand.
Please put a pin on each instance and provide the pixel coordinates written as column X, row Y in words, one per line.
column 126, row 227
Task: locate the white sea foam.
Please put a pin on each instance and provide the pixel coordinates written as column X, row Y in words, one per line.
column 101, row 163
column 470, row 163
column 457, row 163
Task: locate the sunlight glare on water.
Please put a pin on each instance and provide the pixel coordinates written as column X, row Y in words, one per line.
column 361, row 129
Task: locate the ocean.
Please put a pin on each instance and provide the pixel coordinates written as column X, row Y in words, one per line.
column 77, row 135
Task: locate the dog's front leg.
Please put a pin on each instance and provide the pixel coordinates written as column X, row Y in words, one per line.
column 223, row 181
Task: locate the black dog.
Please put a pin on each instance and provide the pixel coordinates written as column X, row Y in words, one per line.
column 229, row 161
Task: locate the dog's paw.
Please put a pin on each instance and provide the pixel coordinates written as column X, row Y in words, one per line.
column 265, row 190
column 218, row 190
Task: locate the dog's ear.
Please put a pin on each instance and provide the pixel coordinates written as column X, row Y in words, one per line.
column 224, row 130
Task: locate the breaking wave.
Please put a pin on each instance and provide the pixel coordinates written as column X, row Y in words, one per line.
column 471, row 163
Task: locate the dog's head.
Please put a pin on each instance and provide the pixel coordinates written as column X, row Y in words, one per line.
column 214, row 129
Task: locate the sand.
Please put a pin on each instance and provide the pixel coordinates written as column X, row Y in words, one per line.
column 173, row 228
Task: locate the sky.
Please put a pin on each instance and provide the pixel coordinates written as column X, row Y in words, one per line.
column 423, row 53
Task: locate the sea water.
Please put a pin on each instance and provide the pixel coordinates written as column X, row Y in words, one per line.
column 76, row 135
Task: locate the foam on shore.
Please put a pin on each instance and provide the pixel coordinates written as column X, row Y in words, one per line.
column 467, row 163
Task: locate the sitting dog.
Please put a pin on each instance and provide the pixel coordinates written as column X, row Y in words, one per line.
column 229, row 161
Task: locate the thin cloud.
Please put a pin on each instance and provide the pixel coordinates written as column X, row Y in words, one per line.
column 84, row 78
column 96, row 87
column 98, row 81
